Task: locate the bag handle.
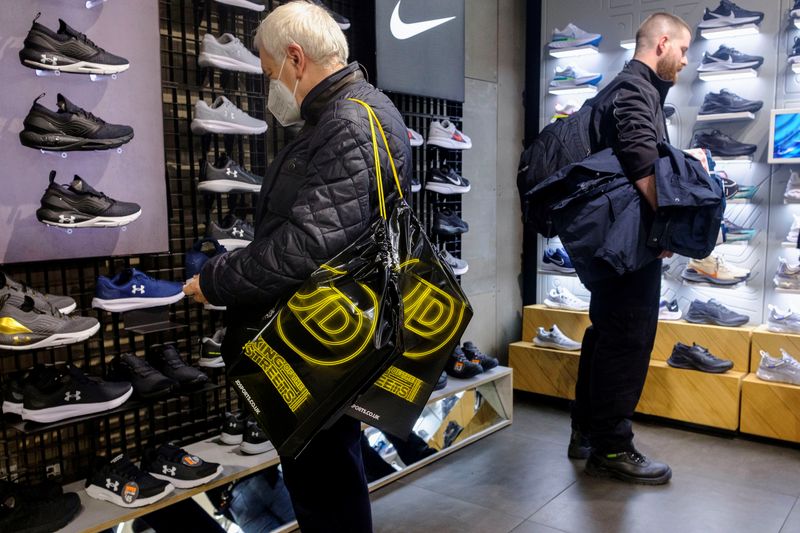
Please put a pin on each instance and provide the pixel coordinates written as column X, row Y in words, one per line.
column 373, row 120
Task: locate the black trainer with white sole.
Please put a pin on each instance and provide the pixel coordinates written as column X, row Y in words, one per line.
column 167, row 360
column 67, row 50
column 179, row 467
column 69, row 393
column 233, row 428
column 78, row 205
column 446, row 181
column 148, row 383
column 254, row 440
column 119, row 481
column 14, row 387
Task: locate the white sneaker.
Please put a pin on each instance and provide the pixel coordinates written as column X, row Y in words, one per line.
column 561, row 298
column 787, row 276
column 571, row 76
column 669, row 310
column 446, row 135
column 783, row 370
column 227, row 53
column 414, row 138
column 224, row 117
column 553, row 338
column 572, row 36
column 794, row 231
column 792, row 193
column 459, row 266
column 783, row 321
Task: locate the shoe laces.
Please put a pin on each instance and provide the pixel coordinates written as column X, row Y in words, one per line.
column 87, row 114
column 789, row 360
column 138, row 366
column 126, row 469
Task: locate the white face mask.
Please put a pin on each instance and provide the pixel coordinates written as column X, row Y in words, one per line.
column 281, row 102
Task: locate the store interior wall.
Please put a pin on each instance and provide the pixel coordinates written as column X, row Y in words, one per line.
column 494, row 119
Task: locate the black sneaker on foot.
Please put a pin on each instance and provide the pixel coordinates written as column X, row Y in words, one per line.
column 178, row 467
column 579, row 446
column 119, row 481
column 36, row 509
column 148, row 383
column 166, row 359
column 254, row 440
column 630, row 466
column 233, row 428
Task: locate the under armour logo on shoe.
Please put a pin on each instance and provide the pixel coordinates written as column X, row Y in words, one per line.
column 137, row 289
column 237, row 232
column 72, row 396
column 113, row 485
column 169, row 470
column 64, row 219
column 52, row 60
column 234, row 173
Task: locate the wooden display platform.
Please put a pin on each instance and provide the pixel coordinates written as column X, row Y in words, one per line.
column 772, row 343
column 723, row 342
column 770, row 409
column 543, row 370
column 573, row 324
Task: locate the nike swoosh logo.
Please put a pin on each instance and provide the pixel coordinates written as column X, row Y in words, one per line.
column 402, row 30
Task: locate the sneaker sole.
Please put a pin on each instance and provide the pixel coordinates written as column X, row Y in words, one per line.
column 216, row 362
column 229, row 439
column 187, row 483
column 55, row 142
column 99, row 493
column 233, row 244
column 552, row 267
column 79, row 67
column 449, row 143
column 444, row 188
column 226, row 63
column 60, row 412
column 775, row 378
column 58, row 339
column 607, row 473
column 555, row 345
column 555, row 305
column 200, row 126
column 772, row 327
column 688, row 366
column 221, row 186
column 242, row 3
column 12, row 408
column 120, row 305
column 95, row 222
column 574, row 43
column 717, row 23
column 254, row 449
column 721, row 67
column 699, row 277
column 708, row 320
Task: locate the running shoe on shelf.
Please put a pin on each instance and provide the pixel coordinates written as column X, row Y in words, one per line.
column 131, row 289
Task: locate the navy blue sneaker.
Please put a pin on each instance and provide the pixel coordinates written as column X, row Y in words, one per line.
column 728, row 102
column 728, row 14
column 795, row 12
column 131, row 289
column 727, row 58
column 196, row 257
column 557, row 260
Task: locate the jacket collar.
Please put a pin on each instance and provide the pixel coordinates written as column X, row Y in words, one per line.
column 327, row 90
column 640, row 69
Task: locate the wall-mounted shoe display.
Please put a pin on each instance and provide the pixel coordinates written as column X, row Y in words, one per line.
column 572, row 36
column 233, row 428
column 121, row 482
column 227, row 176
column 714, row 270
column 446, row 180
column 669, row 310
column 254, row 440
column 178, row 467
column 167, row 359
column 211, row 350
column 64, row 304
column 131, row 289
column 200, row 252
column 445, row 135
column 446, row 222
column 726, row 101
column 722, row 145
column 223, row 116
column 556, row 259
column 227, row 52
column 726, row 59
column 574, row 76
column 31, row 323
column 232, row 232
column 727, row 14
column 148, row 383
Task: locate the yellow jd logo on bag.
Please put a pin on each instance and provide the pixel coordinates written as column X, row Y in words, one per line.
column 333, row 319
column 431, row 314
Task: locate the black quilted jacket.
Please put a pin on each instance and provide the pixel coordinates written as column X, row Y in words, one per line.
column 318, row 197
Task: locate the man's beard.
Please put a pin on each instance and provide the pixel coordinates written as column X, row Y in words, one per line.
column 667, row 69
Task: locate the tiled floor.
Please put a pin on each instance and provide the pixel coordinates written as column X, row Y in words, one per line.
column 520, row 480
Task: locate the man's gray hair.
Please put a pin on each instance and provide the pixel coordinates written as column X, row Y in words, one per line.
column 307, row 25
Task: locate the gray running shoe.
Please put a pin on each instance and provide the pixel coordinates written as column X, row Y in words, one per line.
column 224, row 117
column 445, row 222
column 227, row 53
column 232, row 234
column 459, row 266
column 713, row 312
column 211, row 350
column 553, row 338
column 64, row 304
column 29, row 328
column 228, row 176
column 783, row 370
column 787, row 276
column 783, row 321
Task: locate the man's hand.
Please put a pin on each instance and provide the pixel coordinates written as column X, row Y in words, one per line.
column 647, row 186
column 192, row 288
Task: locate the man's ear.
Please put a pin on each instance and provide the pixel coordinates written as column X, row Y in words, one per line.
column 297, row 58
column 661, row 46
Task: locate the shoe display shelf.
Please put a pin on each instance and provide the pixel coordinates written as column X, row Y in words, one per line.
column 727, row 117
column 770, row 409
column 684, row 395
column 728, row 32
column 796, row 68
column 729, row 75
column 587, row 90
column 494, row 385
column 576, row 51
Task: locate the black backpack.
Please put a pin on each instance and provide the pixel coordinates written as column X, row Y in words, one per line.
column 559, row 144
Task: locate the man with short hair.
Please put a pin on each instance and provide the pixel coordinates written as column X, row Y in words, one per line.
column 628, row 117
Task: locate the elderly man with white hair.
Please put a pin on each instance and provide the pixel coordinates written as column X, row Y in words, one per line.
column 318, row 197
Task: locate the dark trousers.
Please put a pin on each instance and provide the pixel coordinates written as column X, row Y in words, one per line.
column 615, row 355
column 327, row 482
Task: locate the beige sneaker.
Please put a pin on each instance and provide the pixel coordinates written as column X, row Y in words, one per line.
column 714, row 268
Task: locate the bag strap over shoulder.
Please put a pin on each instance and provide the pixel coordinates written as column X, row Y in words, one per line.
column 373, row 120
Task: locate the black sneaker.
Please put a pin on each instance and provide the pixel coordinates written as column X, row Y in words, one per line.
column 36, row 509
column 70, row 128
column 474, row 354
column 729, row 186
column 226, row 175
column 669, row 110
column 67, row 50
column 722, row 145
column 727, row 58
column 697, row 357
column 794, row 56
column 148, row 383
column 632, row 467
column 254, row 440
column 233, row 428
column 78, row 205
column 14, row 387
column 459, row 366
column 166, row 359
column 442, row 382
column 713, row 312
column 795, row 12
column 416, row 186
column 68, row 393
column 728, row 102
column 178, row 467
column 119, row 481
column 232, row 233
column 446, row 181
column 579, row 445
column 343, row 22
column 445, row 222
column 211, row 350
column 728, row 14
column 64, row 304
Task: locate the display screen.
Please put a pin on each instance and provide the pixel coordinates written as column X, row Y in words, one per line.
column 784, row 136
